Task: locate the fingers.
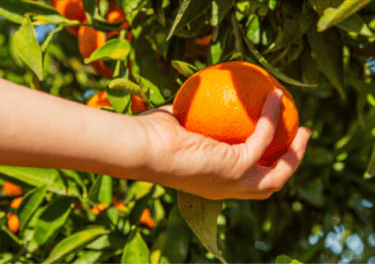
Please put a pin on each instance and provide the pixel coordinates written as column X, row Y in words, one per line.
column 261, row 181
column 288, row 163
column 265, row 129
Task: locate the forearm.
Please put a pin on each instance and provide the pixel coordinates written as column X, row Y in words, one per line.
column 41, row 130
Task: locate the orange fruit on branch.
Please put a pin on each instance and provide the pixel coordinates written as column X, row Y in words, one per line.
column 71, row 9
column 13, row 222
column 101, row 100
column 224, row 102
column 89, row 40
column 11, row 189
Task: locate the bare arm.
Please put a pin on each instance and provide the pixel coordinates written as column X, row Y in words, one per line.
column 40, row 130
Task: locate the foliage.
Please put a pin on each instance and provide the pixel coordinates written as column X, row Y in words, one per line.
column 322, row 51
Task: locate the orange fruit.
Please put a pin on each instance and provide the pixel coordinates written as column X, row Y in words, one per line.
column 89, row 40
column 116, row 15
column 16, row 202
column 71, row 9
column 11, row 189
column 224, row 102
column 146, row 218
column 137, row 104
column 13, row 222
column 99, row 100
column 101, row 206
column 95, row 210
column 118, row 204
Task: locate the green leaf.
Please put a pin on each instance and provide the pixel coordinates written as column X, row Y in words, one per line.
column 370, row 171
column 89, row 257
column 153, row 92
column 328, row 50
column 132, row 8
column 186, row 69
column 188, row 13
column 74, row 243
column 172, row 245
column 201, row 215
column 52, row 219
column 90, row 7
column 135, row 250
column 139, row 207
column 15, row 11
column 271, row 69
column 101, row 191
column 333, row 16
column 293, row 27
column 128, row 86
column 157, row 6
column 355, row 23
column 28, row 47
column 38, row 177
column 283, row 259
column 119, row 99
column 30, row 203
column 114, row 49
column 107, row 241
column 219, row 10
column 252, row 7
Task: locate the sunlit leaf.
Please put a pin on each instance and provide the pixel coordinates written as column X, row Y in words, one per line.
column 15, row 11
column 184, row 68
column 135, row 250
column 101, row 191
column 74, row 243
column 333, row 16
column 114, row 49
column 28, row 47
column 283, row 259
column 38, row 177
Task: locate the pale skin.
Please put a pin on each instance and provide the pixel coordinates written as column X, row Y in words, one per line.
column 41, row 130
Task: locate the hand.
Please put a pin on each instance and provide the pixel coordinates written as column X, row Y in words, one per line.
column 215, row 170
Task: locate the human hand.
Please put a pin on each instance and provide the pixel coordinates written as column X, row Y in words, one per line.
column 199, row 165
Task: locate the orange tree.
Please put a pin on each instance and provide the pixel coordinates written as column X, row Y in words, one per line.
column 127, row 53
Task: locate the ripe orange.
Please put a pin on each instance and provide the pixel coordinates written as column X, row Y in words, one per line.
column 224, row 102
column 99, row 100
column 118, row 204
column 13, row 222
column 116, row 14
column 89, row 40
column 137, row 104
column 146, row 218
column 11, row 189
column 71, row 9
column 16, row 202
